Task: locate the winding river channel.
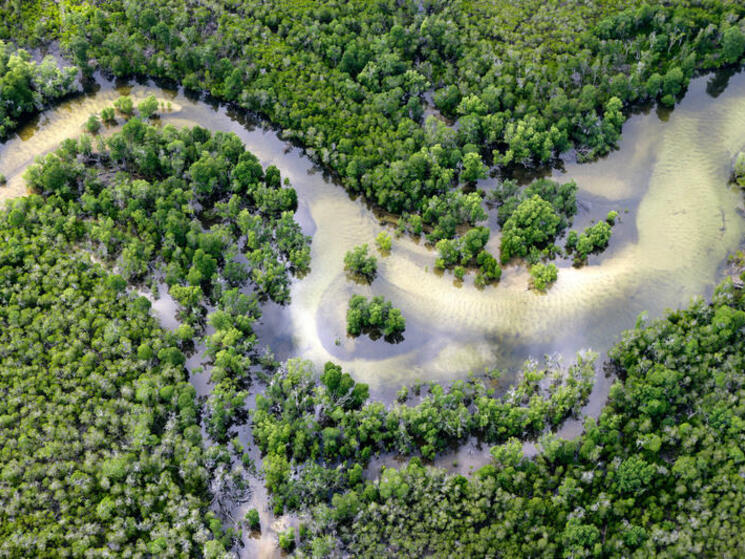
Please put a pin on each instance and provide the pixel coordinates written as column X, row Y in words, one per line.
column 668, row 180
column 679, row 220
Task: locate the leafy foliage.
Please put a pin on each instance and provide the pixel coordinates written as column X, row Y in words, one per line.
column 100, row 444
column 532, row 227
column 360, row 264
column 317, row 438
column 594, row 239
column 374, row 317
column 25, row 86
column 563, row 198
column 658, row 474
column 469, row 251
column 384, row 242
column 543, row 275
column 351, row 81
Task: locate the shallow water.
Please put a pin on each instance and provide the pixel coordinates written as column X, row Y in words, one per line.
column 671, row 174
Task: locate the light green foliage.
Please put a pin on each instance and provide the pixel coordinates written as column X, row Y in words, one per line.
column 649, row 475
column 108, row 115
column 543, row 275
column 658, row 473
column 374, row 317
column 307, row 454
column 361, row 264
column 384, row 242
column 147, row 223
column 26, row 87
column 148, row 107
column 125, row 105
column 286, row 539
column 473, row 168
column 110, row 447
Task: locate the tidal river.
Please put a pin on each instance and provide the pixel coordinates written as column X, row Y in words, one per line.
column 668, row 180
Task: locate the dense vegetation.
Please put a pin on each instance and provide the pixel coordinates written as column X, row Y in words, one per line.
column 595, row 238
column 374, row 317
column 660, row 473
column 352, row 82
column 25, row 86
column 186, row 207
column 100, row 446
column 318, row 437
column 469, row 251
column 410, row 104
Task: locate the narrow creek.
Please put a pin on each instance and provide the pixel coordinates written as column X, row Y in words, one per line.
column 668, row 180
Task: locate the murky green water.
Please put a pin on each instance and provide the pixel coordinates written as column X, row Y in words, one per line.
column 670, row 174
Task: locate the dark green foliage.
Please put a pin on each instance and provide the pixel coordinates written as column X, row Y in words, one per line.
column 93, row 125
column 660, row 472
column 349, row 81
column 563, row 197
column 148, row 224
column 360, row 264
column 489, row 270
column 733, row 45
column 468, row 251
column 108, row 115
column 374, row 317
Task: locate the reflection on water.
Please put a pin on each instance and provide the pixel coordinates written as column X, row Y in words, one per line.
column 681, row 222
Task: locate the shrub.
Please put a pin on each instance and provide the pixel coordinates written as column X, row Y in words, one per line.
column 108, row 115
column 374, row 317
column 383, row 242
column 148, row 107
column 360, row 264
column 124, row 105
column 543, row 275
column 93, row 125
column 253, row 520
